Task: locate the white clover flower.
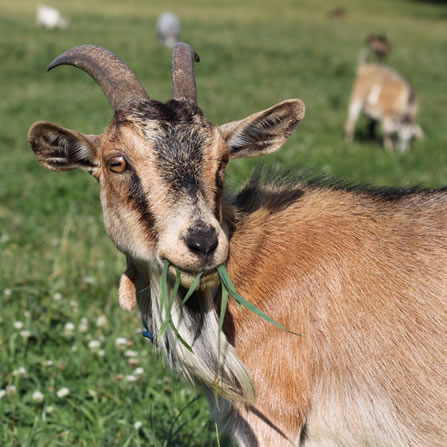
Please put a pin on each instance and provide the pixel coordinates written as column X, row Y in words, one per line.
column 38, row 396
column 19, row 372
column 63, row 392
column 89, row 280
column 138, row 425
column 131, row 378
column 139, row 371
column 69, row 328
column 74, row 305
column 49, row 409
column 2, row 394
column 57, row 296
column 133, row 361
column 92, row 393
column 121, row 342
column 7, row 292
column 101, row 352
column 94, row 344
column 49, row 363
column 130, row 353
column 18, row 324
column 25, row 334
column 102, row 321
column 10, row 389
column 83, row 327
column 74, row 348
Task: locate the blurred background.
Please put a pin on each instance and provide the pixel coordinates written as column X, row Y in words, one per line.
column 74, row 369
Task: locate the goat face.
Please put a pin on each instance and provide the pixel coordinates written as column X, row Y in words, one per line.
column 161, row 178
column 160, row 168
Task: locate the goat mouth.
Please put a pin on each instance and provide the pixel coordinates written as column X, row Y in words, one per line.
column 209, row 278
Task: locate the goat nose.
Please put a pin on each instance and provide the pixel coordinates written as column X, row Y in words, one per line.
column 202, row 241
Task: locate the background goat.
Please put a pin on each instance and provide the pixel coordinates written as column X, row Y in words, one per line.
column 49, row 17
column 168, row 29
column 360, row 274
column 383, row 96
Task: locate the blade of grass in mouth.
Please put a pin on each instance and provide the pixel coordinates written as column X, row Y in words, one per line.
column 164, row 286
column 228, row 289
column 170, row 304
column 193, row 287
column 226, row 280
column 165, row 304
column 223, row 310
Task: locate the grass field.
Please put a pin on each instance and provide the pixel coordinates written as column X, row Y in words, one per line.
column 60, row 323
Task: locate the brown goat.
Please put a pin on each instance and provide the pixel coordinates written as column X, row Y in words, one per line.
column 383, row 96
column 360, row 273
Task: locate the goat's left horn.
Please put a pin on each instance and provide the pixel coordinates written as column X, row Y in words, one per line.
column 183, row 81
column 118, row 82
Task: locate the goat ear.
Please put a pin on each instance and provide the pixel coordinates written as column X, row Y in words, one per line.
column 62, row 149
column 263, row 132
column 127, row 290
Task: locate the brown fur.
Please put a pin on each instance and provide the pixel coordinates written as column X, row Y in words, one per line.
column 360, row 274
column 372, row 343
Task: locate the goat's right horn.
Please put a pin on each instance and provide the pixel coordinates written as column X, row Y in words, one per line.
column 183, row 81
column 118, row 82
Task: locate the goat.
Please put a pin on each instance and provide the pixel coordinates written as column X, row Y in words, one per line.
column 359, row 273
column 49, row 17
column 383, row 96
column 168, row 29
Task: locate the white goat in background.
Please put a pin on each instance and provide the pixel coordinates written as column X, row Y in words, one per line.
column 168, row 29
column 50, row 18
column 383, row 96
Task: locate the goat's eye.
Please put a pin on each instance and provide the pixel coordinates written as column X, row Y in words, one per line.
column 117, row 164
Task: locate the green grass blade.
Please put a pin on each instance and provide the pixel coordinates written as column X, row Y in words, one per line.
column 217, row 434
column 164, row 303
column 223, row 309
column 180, row 338
column 170, row 304
column 232, row 291
column 193, row 287
column 164, row 286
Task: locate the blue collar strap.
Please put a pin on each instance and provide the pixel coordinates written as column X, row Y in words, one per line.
column 146, row 332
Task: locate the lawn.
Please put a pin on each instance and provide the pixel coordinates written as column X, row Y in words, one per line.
column 74, row 368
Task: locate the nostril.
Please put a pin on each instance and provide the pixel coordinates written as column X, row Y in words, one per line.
column 202, row 241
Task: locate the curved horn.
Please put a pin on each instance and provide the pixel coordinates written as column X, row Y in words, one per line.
column 118, row 82
column 183, row 81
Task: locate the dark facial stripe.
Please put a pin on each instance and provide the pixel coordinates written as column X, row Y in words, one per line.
column 218, row 193
column 138, row 200
column 179, row 158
